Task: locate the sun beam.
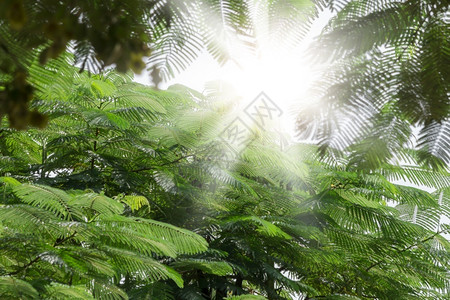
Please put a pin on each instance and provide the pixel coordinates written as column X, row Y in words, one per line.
column 277, row 66
column 280, row 72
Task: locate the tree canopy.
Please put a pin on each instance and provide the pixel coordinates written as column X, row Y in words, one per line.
column 389, row 74
column 167, row 35
column 129, row 192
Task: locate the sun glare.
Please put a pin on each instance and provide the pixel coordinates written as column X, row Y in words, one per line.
column 277, row 72
column 284, row 75
column 276, row 67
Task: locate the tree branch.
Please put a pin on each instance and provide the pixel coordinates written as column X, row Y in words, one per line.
column 406, row 249
column 59, row 242
column 24, row 267
column 37, row 258
column 161, row 165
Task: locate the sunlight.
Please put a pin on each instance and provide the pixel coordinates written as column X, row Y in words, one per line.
column 274, row 71
column 282, row 73
column 279, row 67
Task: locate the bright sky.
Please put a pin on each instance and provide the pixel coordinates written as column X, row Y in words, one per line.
column 284, row 75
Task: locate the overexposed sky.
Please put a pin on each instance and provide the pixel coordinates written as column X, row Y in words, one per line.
column 284, row 75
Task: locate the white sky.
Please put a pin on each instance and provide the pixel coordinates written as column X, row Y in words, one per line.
column 284, row 75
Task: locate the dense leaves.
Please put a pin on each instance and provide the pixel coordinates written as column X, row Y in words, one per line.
column 131, row 193
column 389, row 74
column 75, row 244
column 122, row 34
column 119, row 161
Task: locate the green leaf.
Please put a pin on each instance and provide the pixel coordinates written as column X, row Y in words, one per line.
column 97, row 202
column 176, row 277
column 219, row 268
column 10, row 182
column 48, row 198
column 265, row 227
column 60, row 291
column 13, row 288
column 135, row 202
column 103, row 88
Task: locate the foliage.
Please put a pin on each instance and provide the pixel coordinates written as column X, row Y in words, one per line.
column 119, row 158
column 389, row 74
column 78, row 244
column 338, row 238
column 128, row 192
column 123, row 34
column 100, row 33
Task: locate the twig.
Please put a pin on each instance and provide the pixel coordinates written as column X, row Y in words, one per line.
column 406, row 249
column 161, row 165
column 24, row 267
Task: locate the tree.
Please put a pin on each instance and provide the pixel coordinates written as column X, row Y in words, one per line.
column 77, row 244
column 121, row 164
column 388, row 75
column 114, row 33
column 276, row 222
column 326, row 232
